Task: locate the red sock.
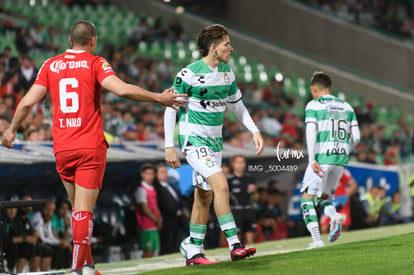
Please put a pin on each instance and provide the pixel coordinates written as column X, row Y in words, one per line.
column 82, row 226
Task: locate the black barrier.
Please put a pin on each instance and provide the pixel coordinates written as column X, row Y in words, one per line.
column 14, row 204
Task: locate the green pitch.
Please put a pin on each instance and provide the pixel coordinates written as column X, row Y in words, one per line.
column 385, row 250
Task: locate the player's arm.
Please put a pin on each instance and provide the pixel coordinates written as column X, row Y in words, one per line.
column 136, row 93
column 171, row 156
column 33, row 96
column 311, row 134
column 241, row 112
column 355, row 137
column 147, row 212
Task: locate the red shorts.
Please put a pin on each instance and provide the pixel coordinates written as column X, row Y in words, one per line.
column 346, row 211
column 85, row 167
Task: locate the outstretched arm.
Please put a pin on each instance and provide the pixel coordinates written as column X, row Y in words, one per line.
column 136, row 93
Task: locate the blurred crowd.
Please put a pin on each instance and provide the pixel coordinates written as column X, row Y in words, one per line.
column 38, row 239
column 392, row 16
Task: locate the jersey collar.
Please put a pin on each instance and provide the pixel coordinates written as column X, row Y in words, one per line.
column 74, row 51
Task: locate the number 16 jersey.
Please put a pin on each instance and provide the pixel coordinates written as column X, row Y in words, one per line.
column 73, row 80
column 334, row 119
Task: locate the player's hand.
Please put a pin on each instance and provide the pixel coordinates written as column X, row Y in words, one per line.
column 258, row 140
column 8, row 137
column 169, row 99
column 171, row 157
column 159, row 223
column 317, row 168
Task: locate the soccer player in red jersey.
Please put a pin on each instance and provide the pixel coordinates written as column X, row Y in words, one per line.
column 74, row 80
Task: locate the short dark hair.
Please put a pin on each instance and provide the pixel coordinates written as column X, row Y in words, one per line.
column 146, row 166
column 209, row 35
column 233, row 158
column 82, row 32
column 321, row 78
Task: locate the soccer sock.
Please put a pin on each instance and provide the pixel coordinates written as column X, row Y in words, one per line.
column 228, row 226
column 197, row 235
column 327, row 207
column 82, row 226
column 311, row 218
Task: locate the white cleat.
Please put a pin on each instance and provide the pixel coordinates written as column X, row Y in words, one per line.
column 316, row 244
column 336, row 227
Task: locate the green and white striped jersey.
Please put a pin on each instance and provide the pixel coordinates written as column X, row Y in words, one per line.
column 208, row 90
column 334, row 119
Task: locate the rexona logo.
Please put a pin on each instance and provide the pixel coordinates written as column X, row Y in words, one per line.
column 213, row 104
column 58, row 65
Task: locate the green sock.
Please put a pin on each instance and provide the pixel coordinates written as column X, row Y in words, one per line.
column 311, row 218
column 197, row 235
column 228, row 226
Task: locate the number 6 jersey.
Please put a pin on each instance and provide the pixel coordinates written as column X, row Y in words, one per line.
column 73, row 80
column 334, row 119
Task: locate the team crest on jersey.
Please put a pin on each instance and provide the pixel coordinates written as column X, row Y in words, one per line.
column 210, row 162
column 226, row 78
column 106, row 66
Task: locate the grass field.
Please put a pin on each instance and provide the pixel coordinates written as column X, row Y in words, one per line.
column 385, row 250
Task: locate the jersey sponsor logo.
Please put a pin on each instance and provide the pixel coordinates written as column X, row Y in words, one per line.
column 226, row 78
column 335, row 109
column 328, row 100
column 336, row 151
column 58, row 65
column 201, row 79
column 203, row 91
column 213, row 104
column 178, row 81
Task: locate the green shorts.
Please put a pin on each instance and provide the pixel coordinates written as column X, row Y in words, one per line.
column 148, row 240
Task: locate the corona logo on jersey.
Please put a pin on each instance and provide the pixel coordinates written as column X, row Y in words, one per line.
column 210, row 162
column 58, row 65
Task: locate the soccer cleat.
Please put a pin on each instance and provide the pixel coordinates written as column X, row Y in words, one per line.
column 199, row 259
column 336, row 227
column 89, row 269
column 316, row 244
column 239, row 252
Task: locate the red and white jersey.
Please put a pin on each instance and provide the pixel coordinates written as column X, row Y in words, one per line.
column 73, row 80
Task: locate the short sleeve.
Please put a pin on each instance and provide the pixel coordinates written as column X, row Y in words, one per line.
column 310, row 114
column 41, row 78
column 141, row 195
column 181, row 85
column 102, row 69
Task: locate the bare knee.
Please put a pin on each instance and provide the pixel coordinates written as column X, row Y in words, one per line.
column 203, row 198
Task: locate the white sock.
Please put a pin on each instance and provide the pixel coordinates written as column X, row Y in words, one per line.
column 313, row 229
column 330, row 211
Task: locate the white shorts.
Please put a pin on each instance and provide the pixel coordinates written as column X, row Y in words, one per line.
column 205, row 163
column 316, row 185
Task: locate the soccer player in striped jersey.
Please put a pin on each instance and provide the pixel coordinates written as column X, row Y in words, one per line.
column 332, row 132
column 211, row 87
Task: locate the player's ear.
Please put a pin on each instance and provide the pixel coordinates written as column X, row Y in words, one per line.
column 70, row 41
column 93, row 41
